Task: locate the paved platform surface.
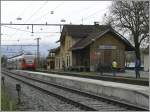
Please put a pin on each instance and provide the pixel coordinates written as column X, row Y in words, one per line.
column 133, row 93
column 127, row 73
column 131, row 73
column 143, row 89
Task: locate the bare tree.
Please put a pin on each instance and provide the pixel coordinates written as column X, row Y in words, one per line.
column 132, row 16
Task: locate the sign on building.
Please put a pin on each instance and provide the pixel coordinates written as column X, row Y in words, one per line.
column 107, row 47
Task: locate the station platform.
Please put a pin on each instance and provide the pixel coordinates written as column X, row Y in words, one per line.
column 134, row 94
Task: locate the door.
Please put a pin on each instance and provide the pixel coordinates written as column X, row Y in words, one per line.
column 107, row 57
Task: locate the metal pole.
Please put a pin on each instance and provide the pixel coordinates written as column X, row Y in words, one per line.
column 18, row 89
column 38, row 53
column 60, row 28
column 32, row 28
column 3, row 79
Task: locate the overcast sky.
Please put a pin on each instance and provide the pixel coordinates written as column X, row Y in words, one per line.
column 75, row 12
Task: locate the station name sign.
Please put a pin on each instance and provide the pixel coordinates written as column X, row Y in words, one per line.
column 107, row 47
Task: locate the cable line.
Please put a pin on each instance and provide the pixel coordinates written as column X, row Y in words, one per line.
column 33, row 14
column 17, row 29
column 23, row 12
column 85, row 18
column 49, row 12
column 79, row 11
column 37, row 11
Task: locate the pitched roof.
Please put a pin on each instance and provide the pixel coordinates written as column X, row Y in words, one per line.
column 81, row 31
column 93, row 36
column 54, row 50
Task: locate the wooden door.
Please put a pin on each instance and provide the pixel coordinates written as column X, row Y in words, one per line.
column 107, row 57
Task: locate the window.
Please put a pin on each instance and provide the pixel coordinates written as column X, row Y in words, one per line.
column 59, row 62
column 67, row 61
column 69, row 44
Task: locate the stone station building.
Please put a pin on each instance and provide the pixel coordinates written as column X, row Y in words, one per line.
column 88, row 47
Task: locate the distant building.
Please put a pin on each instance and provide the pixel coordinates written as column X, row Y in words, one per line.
column 51, row 60
column 146, row 59
column 58, row 60
column 85, row 47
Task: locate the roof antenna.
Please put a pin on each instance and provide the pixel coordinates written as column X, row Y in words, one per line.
column 82, row 20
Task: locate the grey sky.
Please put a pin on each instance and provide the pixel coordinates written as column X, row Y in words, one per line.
column 39, row 12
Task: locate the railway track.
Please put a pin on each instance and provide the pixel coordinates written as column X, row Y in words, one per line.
column 83, row 100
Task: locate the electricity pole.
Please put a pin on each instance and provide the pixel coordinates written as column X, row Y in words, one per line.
column 38, row 52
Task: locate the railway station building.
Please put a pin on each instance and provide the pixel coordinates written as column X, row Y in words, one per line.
column 88, row 47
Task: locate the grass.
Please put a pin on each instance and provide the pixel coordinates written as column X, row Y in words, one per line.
column 7, row 104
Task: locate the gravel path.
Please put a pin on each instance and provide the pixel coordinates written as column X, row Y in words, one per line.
column 35, row 100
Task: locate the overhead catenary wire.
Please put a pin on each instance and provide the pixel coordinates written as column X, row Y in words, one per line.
column 85, row 18
column 17, row 29
column 19, row 40
column 32, row 14
column 37, row 11
column 79, row 11
column 49, row 12
column 22, row 13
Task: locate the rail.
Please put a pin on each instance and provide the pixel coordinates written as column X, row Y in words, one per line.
column 123, row 105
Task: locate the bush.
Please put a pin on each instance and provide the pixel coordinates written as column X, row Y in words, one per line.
column 6, row 103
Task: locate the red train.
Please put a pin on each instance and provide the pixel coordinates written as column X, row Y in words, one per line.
column 22, row 61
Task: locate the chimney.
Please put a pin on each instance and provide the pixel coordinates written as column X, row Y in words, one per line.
column 96, row 23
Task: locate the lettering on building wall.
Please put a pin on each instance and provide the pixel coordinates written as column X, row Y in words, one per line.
column 107, row 47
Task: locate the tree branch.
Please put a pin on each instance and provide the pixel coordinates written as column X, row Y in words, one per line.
column 143, row 37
